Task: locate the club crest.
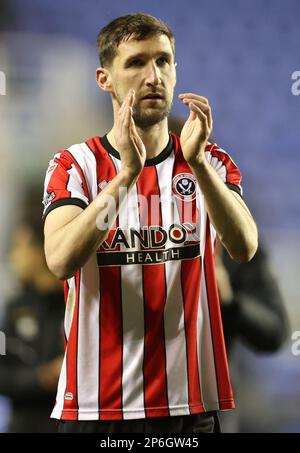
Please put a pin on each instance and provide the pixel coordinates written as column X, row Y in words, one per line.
column 184, row 186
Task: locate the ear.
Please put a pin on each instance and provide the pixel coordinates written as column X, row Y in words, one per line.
column 103, row 79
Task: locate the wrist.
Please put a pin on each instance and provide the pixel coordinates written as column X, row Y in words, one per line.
column 128, row 176
column 198, row 163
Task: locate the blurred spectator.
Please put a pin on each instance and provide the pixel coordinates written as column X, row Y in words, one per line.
column 252, row 306
column 33, row 328
column 253, row 312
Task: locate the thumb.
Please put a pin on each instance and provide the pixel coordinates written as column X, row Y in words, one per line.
column 134, row 134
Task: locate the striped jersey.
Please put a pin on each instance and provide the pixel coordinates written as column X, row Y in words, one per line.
column 143, row 329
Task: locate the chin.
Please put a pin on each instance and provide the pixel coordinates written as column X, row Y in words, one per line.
column 151, row 118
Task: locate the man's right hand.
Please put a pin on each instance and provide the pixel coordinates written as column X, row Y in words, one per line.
column 73, row 234
column 133, row 151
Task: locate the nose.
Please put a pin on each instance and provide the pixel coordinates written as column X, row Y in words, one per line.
column 153, row 74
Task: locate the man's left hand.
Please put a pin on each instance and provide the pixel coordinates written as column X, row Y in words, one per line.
column 197, row 129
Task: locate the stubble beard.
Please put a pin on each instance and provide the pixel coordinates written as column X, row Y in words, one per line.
column 147, row 117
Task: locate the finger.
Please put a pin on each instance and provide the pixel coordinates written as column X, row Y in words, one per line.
column 126, row 119
column 127, row 101
column 132, row 126
column 131, row 97
column 200, row 104
column 133, row 131
column 135, row 136
column 124, row 122
column 192, row 116
column 193, row 96
column 203, row 107
column 122, row 108
column 199, row 113
column 135, row 142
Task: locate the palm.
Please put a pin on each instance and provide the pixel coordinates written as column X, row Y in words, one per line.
column 197, row 128
column 191, row 136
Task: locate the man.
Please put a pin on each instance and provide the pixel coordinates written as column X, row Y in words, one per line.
column 144, row 343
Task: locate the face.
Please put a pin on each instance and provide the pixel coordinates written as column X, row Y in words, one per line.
column 148, row 67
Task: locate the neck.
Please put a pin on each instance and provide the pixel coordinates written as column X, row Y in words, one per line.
column 155, row 138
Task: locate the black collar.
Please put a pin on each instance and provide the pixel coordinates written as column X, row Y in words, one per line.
column 154, row 161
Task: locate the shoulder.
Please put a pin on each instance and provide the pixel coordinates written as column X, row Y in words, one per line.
column 214, row 150
column 86, row 150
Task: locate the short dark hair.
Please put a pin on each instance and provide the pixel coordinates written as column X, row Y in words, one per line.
column 138, row 26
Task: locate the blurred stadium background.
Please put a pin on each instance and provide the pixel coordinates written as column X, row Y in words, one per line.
column 241, row 56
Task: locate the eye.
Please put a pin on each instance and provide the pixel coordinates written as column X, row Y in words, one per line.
column 162, row 61
column 136, row 63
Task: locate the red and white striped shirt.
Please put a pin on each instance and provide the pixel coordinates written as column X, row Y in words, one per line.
column 143, row 328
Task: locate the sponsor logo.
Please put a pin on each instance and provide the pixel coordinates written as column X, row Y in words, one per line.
column 147, row 246
column 184, row 186
column 152, row 237
column 51, row 168
column 48, row 198
column 149, row 256
column 69, row 396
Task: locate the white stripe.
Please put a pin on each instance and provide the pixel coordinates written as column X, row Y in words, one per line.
column 89, row 319
column 70, row 306
column 57, row 411
column 87, row 161
column 206, row 364
column 176, row 354
column 69, row 312
column 74, row 185
column 220, row 167
column 133, row 318
column 88, row 339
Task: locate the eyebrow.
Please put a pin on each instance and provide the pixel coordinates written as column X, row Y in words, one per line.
column 163, row 53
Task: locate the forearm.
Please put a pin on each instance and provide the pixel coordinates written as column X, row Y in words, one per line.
column 71, row 246
column 230, row 216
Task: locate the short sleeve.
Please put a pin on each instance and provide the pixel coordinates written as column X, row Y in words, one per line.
column 225, row 166
column 64, row 184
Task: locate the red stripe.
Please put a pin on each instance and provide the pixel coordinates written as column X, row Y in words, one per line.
column 190, row 280
column 155, row 375
column 70, row 410
column 111, row 324
column 111, row 337
column 221, row 365
column 59, row 179
column 82, row 175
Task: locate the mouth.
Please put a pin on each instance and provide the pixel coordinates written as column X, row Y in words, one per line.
column 153, row 96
